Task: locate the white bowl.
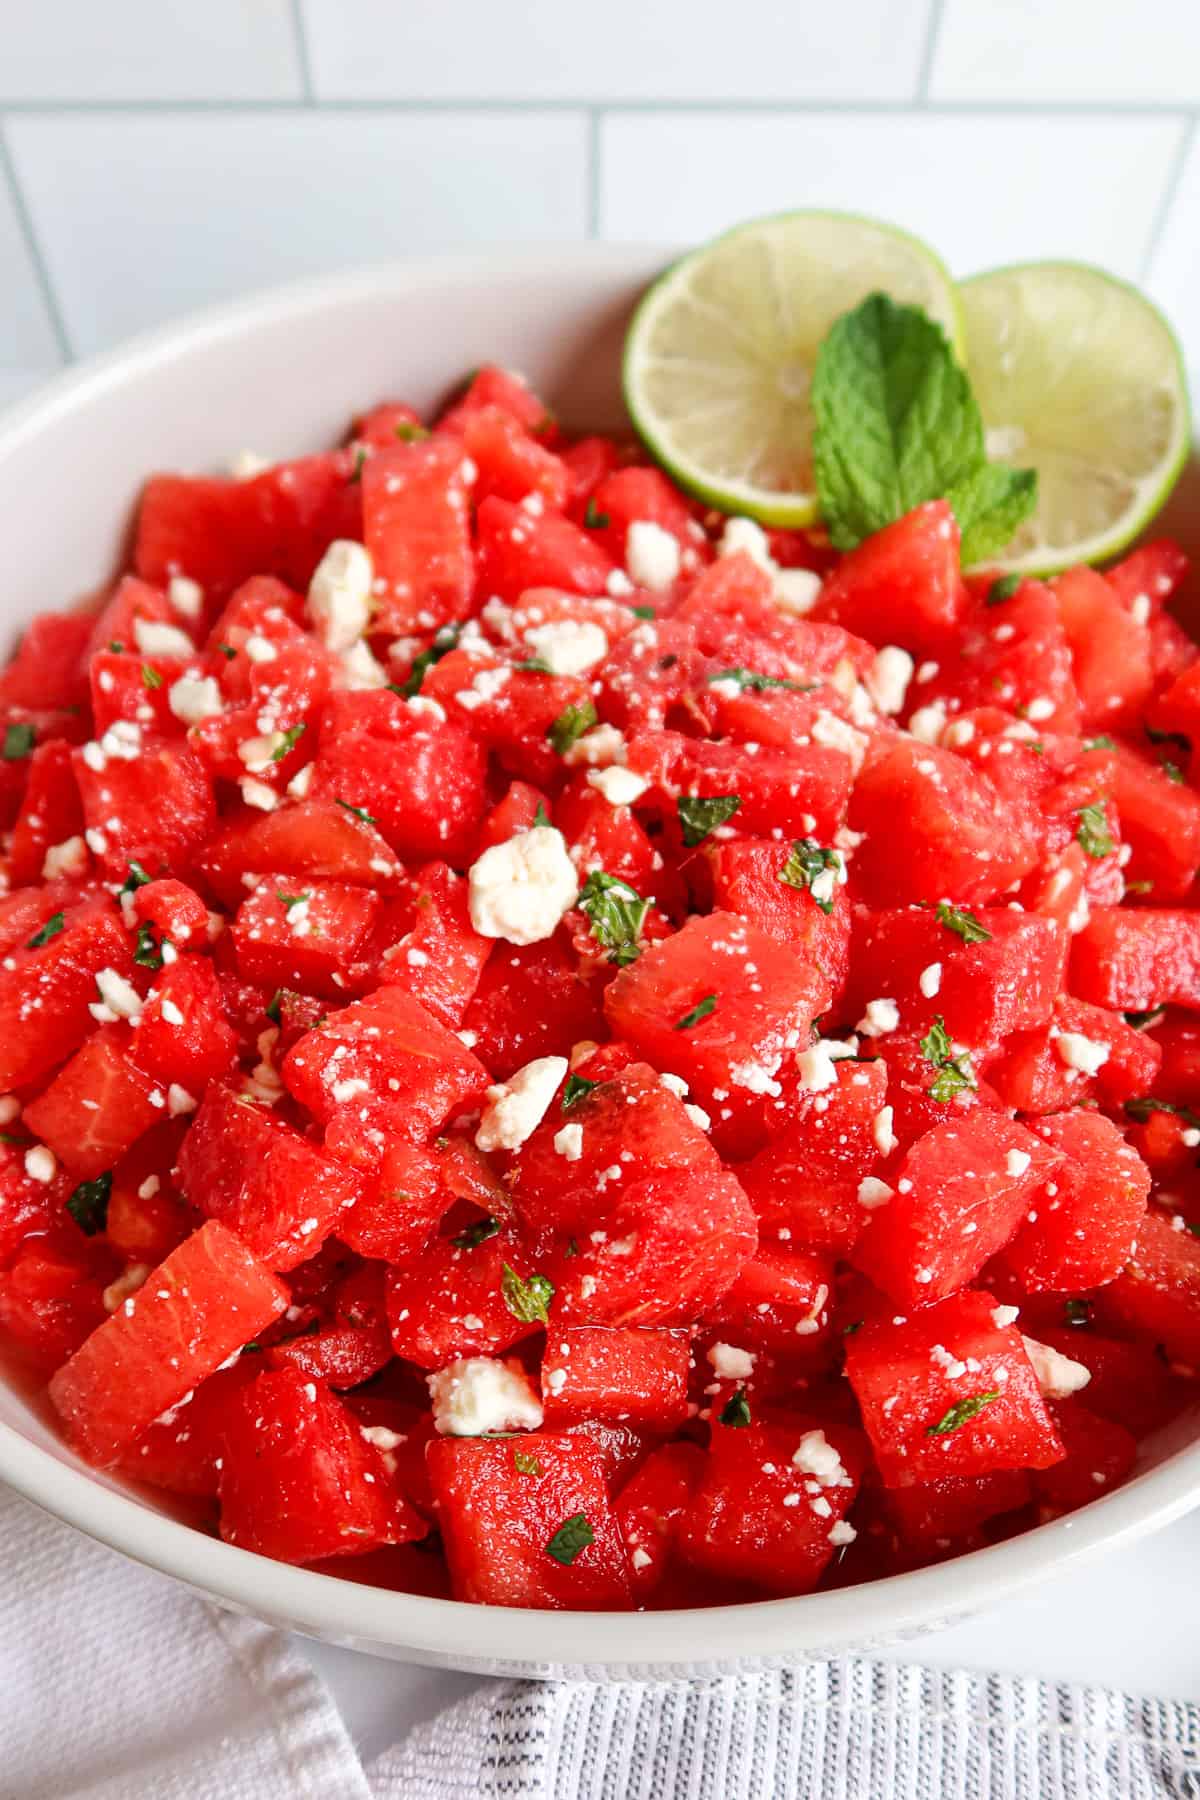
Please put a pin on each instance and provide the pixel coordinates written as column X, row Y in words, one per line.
column 280, row 374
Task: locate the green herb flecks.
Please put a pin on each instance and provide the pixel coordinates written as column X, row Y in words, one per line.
column 526, row 1299
column 813, row 867
column 699, row 816
column 88, row 1203
column 954, row 1074
column 570, row 726
column 616, row 913
column 700, row 1011
column 961, row 1412
column 572, row 1536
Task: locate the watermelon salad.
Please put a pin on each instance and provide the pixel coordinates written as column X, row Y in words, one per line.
column 561, row 1049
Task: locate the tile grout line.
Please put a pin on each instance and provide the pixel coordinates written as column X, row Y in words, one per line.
column 300, row 35
column 41, row 272
column 933, row 32
column 784, row 106
column 595, row 123
column 1170, row 192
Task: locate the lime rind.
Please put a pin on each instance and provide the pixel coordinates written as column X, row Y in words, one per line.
column 1108, row 428
column 744, row 337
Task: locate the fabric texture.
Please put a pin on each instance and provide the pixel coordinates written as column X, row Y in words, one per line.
column 117, row 1684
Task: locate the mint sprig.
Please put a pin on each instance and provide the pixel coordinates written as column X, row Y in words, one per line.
column 896, row 424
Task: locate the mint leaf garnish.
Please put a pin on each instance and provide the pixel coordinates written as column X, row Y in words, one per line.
column 617, row 913
column 526, row 1300
column 570, row 726
column 960, row 1413
column 572, row 1536
column 576, row 1087
column 896, row 424
column 698, row 817
column 88, row 1204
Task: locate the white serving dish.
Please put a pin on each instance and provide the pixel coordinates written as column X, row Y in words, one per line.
column 278, row 374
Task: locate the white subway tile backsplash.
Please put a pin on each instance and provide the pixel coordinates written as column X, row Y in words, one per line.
column 1173, row 278
column 631, row 49
column 27, row 338
column 142, row 216
column 982, row 190
column 150, row 50
column 1068, row 50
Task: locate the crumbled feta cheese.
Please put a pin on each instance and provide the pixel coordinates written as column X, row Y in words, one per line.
column 195, row 697
column 620, row 787
column 872, row 1192
column 339, row 594
column 927, row 722
column 1003, row 1316
column 517, row 1106
column 180, row 1101
column 1016, row 1162
column 1086, row 1054
column 186, row 596
column 882, row 1131
column 259, row 795
column 568, row 646
column 1058, row 1376
column 597, row 748
column 520, row 890
column 842, row 1533
column 155, row 638
column 746, row 535
column 816, row 1456
column 880, row 1017
column 818, row 1065
column 41, row 1164
column 618, row 584
column 118, row 995
column 888, row 677
column 478, row 1394
column 930, row 980
column 358, row 670
column 640, row 1559
column 68, row 858
column 796, row 591
column 260, row 649
column 171, row 1013
column 569, row 1142
column 731, row 1364
column 838, row 734
column 651, row 555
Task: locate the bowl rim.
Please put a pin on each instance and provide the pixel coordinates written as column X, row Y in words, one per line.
column 725, row 1638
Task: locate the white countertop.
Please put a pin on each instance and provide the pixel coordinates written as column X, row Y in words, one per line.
column 1123, row 1622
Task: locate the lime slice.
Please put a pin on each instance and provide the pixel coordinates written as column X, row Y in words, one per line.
column 720, row 353
column 1079, row 377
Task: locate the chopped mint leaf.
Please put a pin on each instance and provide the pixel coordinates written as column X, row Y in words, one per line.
column 1002, row 589
column 617, row 913
column 748, row 678
column 700, row 1011
column 287, row 901
column 1167, row 737
column 150, row 677
column 643, row 612
column 1173, row 772
column 51, row 928
column 476, row 1234
column 291, row 738
column 227, row 651
column 962, row 923
column 1092, row 831
column 736, row 1410
column 572, row 1536
column 1103, row 742
column 813, row 867
column 444, row 641
column 1141, row 1110
column 148, row 952
column 576, row 1087
column 534, row 665
column 272, row 1008
column 954, row 1074
column 597, row 520
column 360, row 812
column 526, row 1463
column 896, row 424
column 526, row 1300
column 88, row 1203
column 570, row 726
column 18, row 742
column 360, row 457
column 136, row 878
column 541, row 817
column 409, row 433
column 116, row 647
column 699, row 816
column 959, row 1414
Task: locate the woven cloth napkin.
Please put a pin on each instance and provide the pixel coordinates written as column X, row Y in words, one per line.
column 117, row 1684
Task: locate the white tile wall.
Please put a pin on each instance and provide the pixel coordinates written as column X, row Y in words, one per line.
column 629, row 49
column 982, row 190
column 1069, row 50
column 148, row 50
column 157, row 154
column 143, row 216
